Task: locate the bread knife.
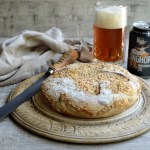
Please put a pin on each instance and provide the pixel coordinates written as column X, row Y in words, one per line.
column 67, row 58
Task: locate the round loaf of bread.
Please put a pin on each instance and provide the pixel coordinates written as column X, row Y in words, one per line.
column 91, row 90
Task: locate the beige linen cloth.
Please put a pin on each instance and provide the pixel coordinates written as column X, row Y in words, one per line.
column 32, row 52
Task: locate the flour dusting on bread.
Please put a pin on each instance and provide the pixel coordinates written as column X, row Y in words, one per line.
column 91, row 90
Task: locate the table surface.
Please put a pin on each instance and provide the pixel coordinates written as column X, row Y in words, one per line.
column 15, row 137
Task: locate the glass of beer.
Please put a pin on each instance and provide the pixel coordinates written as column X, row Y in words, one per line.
column 109, row 32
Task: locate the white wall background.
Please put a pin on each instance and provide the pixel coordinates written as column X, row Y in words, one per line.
column 40, row 15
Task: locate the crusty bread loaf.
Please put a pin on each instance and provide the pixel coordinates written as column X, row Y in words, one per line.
column 91, row 90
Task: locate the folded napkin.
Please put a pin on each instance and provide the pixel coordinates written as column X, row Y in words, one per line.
column 29, row 53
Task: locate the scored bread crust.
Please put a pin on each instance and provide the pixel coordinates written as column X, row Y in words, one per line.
column 91, row 90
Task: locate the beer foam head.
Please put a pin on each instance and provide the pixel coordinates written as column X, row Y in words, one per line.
column 111, row 17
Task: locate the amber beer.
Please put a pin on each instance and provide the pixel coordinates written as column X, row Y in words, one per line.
column 109, row 31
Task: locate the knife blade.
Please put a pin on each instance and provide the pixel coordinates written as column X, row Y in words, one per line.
column 68, row 58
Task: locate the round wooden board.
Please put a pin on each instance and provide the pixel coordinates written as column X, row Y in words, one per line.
column 38, row 117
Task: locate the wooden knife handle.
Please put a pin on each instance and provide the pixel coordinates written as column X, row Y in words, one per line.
column 67, row 58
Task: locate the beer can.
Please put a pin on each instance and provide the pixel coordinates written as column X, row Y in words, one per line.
column 139, row 49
